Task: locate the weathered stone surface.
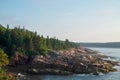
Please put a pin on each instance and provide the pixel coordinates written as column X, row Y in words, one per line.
column 79, row 61
column 18, row 59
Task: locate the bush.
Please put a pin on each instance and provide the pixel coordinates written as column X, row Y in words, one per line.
column 44, row 51
column 2, row 71
column 3, row 78
column 3, row 61
column 3, row 58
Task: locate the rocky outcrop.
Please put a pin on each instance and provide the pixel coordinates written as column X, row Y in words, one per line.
column 18, row 59
column 79, row 61
column 63, row 62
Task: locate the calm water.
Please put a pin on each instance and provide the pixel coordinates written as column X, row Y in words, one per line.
column 110, row 76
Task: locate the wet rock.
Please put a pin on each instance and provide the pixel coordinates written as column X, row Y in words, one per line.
column 49, row 71
column 33, row 71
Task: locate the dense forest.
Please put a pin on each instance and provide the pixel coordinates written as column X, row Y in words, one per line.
column 29, row 43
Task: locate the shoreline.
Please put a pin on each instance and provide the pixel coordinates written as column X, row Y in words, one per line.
column 67, row 62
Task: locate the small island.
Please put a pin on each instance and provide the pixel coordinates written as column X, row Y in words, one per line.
column 24, row 51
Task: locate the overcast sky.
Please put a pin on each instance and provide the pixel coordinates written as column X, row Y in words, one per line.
column 76, row 20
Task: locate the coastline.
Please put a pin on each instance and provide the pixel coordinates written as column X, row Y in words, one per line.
column 66, row 62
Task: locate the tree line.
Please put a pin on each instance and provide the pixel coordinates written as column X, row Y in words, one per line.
column 30, row 43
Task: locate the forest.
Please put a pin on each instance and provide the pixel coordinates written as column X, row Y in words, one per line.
column 30, row 43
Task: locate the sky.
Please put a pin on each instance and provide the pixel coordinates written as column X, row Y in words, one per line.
column 76, row 20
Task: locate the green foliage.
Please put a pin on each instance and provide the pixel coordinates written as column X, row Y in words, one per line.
column 29, row 43
column 2, row 71
column 3, row 61
column 3, row 58
column 3, row 78
column 21, row 50
column 44, row 51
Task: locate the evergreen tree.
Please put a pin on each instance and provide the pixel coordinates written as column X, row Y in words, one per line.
column 29, row 42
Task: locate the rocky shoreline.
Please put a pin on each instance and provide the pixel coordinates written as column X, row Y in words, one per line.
column 64, row 62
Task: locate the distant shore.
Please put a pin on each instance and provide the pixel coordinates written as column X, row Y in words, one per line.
column 104, row 45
